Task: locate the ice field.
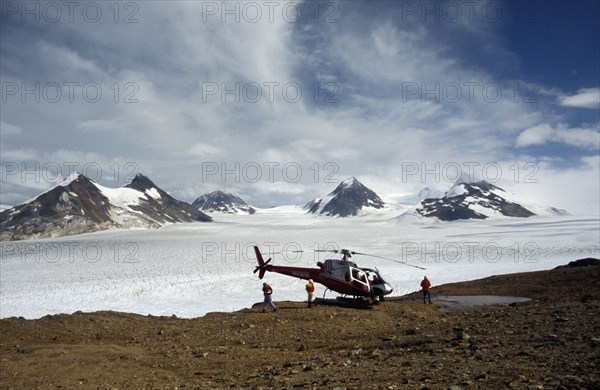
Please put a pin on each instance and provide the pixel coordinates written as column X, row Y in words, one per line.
column 192, row 269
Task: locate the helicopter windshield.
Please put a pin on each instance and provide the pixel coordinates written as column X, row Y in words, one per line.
column 373, row 276
column 378, row 285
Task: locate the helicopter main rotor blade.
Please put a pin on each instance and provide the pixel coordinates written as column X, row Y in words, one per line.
column 346, row 251
column 387, row 258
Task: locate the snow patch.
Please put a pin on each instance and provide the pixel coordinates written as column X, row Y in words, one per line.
column 153, row 192
column 456, row 190
column 121, row 197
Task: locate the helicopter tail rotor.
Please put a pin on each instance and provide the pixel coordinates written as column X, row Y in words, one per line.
column 262, row 264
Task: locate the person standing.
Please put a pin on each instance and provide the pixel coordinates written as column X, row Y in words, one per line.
column 310, row 290
column 267, row 292
column 426, row 286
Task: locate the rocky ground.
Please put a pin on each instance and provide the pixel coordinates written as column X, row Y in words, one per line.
column 551, row 343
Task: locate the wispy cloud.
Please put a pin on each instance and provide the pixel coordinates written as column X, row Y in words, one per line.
column 585, row 138
column 205, row 150
column 584, row 98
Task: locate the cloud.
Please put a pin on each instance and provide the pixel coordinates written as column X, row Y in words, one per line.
column 585, row 138
column 585, row 98
column 574, row 189
column 7, row 129
column 18, row 155
column 203, row 150
column 100, row 125
column 63, row 57
column 370, row 53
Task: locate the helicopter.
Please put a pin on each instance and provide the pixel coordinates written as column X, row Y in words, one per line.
column 340, row 275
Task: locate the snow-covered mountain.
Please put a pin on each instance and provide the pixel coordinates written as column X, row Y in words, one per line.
column 479, row 200
column 349, row 198
column 223, row 202
column 79, row 205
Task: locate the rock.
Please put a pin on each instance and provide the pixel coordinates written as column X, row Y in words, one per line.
column 307, row 367
column 595, row 342
column 472, row 344
column 376, row 353
column 459, row 334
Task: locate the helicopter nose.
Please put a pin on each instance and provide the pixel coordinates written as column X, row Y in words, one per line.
column 383, row 289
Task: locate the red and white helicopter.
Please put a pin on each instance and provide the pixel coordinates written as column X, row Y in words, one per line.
column 342, row 276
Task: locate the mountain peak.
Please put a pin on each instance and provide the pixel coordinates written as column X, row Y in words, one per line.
column 75, row 175
column 468, row 178
column 348, row 198
column 349, row 182
column 473, row 200
column 464, row 187
column 224, row 202
column 141, row 182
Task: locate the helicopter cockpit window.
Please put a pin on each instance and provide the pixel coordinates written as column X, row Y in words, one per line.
column 359, row 276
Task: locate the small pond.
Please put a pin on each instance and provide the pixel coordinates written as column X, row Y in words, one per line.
column 460, row 302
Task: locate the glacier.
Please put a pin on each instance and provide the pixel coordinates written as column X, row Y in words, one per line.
column 190, row 269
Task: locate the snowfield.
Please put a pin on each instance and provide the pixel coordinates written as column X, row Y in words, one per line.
column 195, row 268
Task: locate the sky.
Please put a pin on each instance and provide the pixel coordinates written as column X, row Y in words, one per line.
column 278, row 101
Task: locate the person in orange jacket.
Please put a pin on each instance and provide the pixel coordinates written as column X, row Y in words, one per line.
column 310, row 290
column 426, row 286
column 267, row 292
